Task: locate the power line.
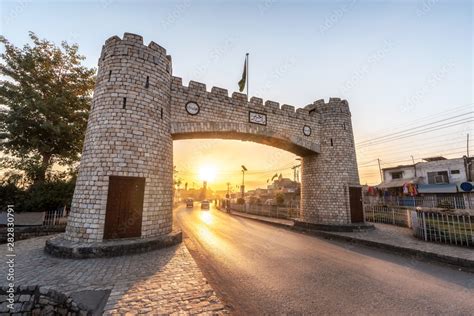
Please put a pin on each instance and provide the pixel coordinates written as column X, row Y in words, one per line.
column 410, row 160
column 415, row 128
column 443, row 154
column 424, row 131
column 437, row 141
column 417, row 150
column 437, row 138
column 417, row 132
column 367, row 162
column 425, row 118
column 425, row 151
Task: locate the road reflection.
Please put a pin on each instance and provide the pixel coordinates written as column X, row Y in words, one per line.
column 206, row 217
column 204, row 223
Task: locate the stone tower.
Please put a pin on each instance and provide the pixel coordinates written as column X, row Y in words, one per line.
column 327, row 176
column 128, row 136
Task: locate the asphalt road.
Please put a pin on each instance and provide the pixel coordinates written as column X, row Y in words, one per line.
column 261, row 269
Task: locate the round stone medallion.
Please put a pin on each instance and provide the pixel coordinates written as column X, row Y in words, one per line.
column 192, row 108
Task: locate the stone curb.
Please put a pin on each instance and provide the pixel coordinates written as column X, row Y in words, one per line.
column 261, row 220
column 60, row 247
column 466, row 264
column 347, row 228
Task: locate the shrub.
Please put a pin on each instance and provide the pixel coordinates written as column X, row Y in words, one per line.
column 44, row 196
column 253, row 200
column 280, row 198
column 50, row 196
column 11, row 194
column 240, row 201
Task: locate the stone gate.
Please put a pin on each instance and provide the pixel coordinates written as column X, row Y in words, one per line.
column 139, row 107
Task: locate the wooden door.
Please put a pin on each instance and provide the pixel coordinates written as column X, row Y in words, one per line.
column 355, row 200
column 123, row 217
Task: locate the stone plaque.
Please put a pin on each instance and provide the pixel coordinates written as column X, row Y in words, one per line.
column 257, row 118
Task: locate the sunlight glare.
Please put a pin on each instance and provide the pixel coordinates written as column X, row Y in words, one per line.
column 207, row 173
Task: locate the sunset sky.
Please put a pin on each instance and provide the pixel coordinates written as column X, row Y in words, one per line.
column 401, row 65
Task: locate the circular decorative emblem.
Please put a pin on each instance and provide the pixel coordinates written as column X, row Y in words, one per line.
column 306, row 130
column 192, row 108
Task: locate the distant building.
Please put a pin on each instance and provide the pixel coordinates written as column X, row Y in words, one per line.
column 395, row 178
column 284, row 185
column 433, row 175
column 289, row 188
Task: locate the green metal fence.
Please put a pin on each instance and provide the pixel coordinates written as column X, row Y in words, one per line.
column 445, row 228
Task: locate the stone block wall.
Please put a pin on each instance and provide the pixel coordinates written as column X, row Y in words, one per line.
column 326, row 177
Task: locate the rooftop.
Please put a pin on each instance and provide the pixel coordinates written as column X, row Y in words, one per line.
column 429, row 159
column 397, row 167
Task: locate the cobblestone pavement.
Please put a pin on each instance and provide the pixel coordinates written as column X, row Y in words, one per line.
column 165, row 281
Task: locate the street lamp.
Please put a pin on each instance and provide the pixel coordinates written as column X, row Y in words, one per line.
column 296, row 176
column 242, row 187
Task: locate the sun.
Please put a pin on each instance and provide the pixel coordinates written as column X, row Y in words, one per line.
column 207, row 173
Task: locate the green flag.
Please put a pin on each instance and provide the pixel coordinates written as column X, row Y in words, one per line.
column 242, row 81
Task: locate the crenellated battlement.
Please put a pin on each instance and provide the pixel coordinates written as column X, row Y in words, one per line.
column 333, row 107
column 199, row 89
column 132, row 44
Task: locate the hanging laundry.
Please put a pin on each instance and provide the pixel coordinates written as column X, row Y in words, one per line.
column 405, row 188
column 371, row 191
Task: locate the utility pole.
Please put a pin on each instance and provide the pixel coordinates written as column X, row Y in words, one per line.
column 242, row 187
column 380, row 170
column 295, row 173
column 467, row 147
column 414, row 166
column 297, row 170
column 227, row 198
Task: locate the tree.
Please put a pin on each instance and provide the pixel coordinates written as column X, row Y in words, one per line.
column 44, row 104
column 280, row 198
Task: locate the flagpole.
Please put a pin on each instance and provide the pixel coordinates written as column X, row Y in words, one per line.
column 247, row 71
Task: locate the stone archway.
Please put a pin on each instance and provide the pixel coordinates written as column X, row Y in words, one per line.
column 139, row 108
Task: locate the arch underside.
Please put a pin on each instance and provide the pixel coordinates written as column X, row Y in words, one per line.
column 261, row 135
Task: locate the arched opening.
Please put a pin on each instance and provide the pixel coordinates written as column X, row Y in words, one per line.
column 219, row 163
column 210, row 170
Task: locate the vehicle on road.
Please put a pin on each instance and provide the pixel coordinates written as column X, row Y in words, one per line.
column 204, row 205
column 189, row 203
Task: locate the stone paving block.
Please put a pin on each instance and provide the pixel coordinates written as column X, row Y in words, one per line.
column 157, row 282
